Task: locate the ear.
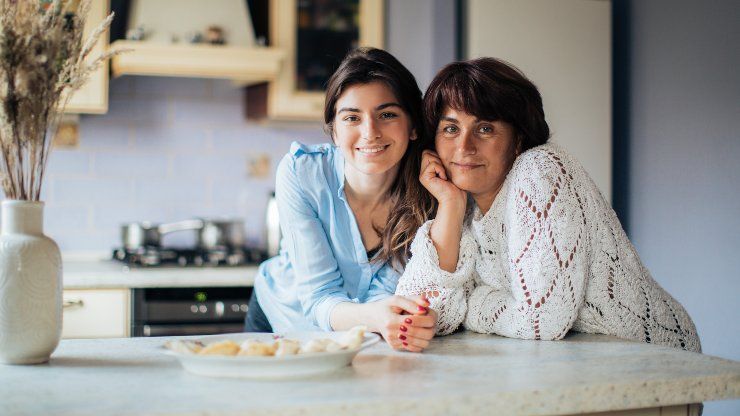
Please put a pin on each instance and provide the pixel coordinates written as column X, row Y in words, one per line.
column 413, row 135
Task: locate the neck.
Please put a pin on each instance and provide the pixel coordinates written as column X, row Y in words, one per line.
column 484, row 200
column 368, row 189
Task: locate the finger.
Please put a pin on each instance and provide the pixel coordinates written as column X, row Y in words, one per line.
column 395, row 343
column 404, row 303
column 421, row 321
column 421, row 300
column 414, row 342
column 440, row 170
column 434, row 170
column 412, row 348
column 417, row 332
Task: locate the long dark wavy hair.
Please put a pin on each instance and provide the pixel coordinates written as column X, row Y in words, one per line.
column 362, row 66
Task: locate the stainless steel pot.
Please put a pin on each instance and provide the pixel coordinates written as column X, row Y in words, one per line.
column 142, row 234
column 221, row 233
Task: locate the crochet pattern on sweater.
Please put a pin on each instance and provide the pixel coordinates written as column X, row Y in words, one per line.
column 549, row 256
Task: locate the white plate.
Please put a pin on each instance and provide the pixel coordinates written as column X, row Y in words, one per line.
column 289, row 366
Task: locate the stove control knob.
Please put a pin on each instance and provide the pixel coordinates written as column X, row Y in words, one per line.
column 203, row 308
column 244, row 307
column 235, row 307
column 194, row 308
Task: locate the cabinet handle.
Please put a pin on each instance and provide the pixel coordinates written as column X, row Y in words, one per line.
column 72, row 303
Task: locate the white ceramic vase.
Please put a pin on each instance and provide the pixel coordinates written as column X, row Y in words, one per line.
column 30, row 286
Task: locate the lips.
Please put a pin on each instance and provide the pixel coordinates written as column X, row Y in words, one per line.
column 466, row 166
column 372, row 150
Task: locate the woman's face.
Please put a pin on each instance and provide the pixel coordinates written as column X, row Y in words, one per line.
column 477, row 154
column 371, row 129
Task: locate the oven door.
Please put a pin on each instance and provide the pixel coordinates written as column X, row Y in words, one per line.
column 188, row 311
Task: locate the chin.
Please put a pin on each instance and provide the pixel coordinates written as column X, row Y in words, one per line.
column 466, row 184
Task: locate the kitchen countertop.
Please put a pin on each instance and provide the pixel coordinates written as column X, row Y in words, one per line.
column 102, row 273
column 459, row 374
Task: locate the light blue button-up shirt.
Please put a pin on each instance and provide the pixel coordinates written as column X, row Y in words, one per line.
column 322, row 260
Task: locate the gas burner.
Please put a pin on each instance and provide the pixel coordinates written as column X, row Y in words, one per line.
column 153, row 256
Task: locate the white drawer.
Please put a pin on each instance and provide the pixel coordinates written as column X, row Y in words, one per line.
column 96, row 313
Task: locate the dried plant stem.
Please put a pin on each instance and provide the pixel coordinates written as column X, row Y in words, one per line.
column 43, row 59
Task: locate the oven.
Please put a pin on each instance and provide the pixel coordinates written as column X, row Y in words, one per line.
column 188, row 311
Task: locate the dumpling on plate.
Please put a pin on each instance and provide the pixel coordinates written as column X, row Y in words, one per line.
column 184, row 347
column 257, row 348
column 287, row 347
column 315, row 345
column 227, row 347
column 354, row 337
column 333, row 346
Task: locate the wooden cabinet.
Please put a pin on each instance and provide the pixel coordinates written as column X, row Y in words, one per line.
column 315, row 36
column 93, row 96
column 98, row 313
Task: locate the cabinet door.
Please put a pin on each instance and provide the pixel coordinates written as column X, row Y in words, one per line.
column 315, row 36
column 96, row 313
column 93, row 96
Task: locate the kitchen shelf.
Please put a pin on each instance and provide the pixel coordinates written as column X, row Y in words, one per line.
column 244, row 66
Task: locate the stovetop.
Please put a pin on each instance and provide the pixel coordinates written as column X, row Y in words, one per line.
column 185, row 257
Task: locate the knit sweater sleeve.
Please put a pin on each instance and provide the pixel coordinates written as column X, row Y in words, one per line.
column 447, row 292
column 545, row 231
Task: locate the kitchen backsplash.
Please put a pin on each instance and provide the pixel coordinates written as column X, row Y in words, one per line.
column 168, row 149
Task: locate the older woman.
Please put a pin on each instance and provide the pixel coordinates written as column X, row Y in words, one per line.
column 523, row 244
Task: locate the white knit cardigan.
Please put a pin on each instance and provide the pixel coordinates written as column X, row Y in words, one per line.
column 549, row 255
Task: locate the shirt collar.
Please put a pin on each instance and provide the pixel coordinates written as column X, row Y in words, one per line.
column 339, row 169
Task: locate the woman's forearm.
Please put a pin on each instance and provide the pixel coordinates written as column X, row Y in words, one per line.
column 446, row 232
column 346, row 315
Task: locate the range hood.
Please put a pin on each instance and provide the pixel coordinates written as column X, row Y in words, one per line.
column 239, row 60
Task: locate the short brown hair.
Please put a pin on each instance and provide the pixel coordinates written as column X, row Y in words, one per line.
column 490, row 89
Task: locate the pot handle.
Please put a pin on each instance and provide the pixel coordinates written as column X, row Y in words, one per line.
column 195, row 224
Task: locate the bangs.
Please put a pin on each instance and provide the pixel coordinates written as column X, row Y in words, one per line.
column 463, row 92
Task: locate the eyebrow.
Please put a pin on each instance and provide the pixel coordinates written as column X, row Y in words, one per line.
column 378, row 108
column 454, row 120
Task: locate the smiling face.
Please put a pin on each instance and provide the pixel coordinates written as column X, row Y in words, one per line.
column 371, row 128
column 477, row 154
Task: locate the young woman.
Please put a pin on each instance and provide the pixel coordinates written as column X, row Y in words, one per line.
column 343, row 239
column 536, row 250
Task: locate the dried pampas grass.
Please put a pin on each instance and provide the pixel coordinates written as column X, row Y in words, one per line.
column 43, row 59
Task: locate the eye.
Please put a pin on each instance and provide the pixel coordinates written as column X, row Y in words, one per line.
column 450, row 129
column 386, row 115
column 485, row 129
column 351, row 118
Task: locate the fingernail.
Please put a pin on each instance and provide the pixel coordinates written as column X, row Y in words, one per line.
column 405, row 344
column 402, row 337
column 408, row 321
column 422, row 309
column 403, row 328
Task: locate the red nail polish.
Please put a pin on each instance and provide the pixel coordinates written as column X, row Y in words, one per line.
column 403, row 328
column 405, row 344
column 408, row 321
column 402, row 337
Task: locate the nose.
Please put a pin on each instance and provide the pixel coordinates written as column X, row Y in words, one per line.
column 466, row 144
column 370, row 129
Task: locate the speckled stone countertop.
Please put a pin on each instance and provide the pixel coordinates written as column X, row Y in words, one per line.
column 465, row 373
